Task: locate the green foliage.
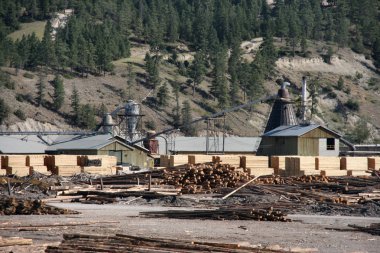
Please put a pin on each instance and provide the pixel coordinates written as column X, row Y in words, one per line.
column 176, row 115
column 20, row 114
column 198, row 69
column 75, row 105
column 28, row 75
column 102, row 110
column 163, row 95
column 360, row 133
column 150, row 125
column 20, row 97
column 340, row 84
column 5, row 81
column 41, row 86
column 358, row 75
column 59, row 93
column 86, row 117
column 353, row 105
column 187, row 129
column 151, row 66
column 4, row 111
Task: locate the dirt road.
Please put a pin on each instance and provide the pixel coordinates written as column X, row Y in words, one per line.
column 307, row 231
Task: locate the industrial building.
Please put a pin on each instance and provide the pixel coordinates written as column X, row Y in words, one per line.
column 302, row 140
column 96, row 144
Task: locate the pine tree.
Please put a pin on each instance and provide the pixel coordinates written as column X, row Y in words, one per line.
column 163, row 95
column 59, row 93
column 198, row 69
column 130, row 80
column 86, row 116
column 219, row 88
column 4, row 111
column 48, row 57
column 187, row 128
column 340, row 84
column 151, row 66
column 176, row 115
column 41, row 90
column 75, row 105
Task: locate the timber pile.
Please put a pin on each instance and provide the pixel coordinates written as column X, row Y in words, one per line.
column 98, row 164
column 12, row 206
column 220, row 214
column 13, row 241
column 256, row 165
column 205, row 177
column 195, row 159
column 120, row 243
column 327, row 163
column 278, row 164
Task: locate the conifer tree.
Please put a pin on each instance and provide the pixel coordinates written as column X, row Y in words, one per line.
column 187, row 129
column 75, row 105
column 59, row 93
column 163, row 95
column 41, row 90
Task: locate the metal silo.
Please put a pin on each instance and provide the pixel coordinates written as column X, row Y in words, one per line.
column 132, row 114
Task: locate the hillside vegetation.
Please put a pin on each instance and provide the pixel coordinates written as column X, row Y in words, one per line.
column 184, row 59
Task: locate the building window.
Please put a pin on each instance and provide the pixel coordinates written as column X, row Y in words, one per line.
column 330, row 144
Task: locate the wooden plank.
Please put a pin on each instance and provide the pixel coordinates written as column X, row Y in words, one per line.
column 327, row 163
column 35, row 160
column 355, row 173
column 354, row 163
column 21, row 171
column 39, row 169
column 333, row 173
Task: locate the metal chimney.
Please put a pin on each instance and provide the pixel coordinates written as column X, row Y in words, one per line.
column 132, row 113
column 303, row 100
column 107, row 123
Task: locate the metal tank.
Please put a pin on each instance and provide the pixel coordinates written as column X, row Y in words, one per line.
column 132, row 114
column 107, row 123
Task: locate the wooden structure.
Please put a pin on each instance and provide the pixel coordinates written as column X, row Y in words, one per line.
column 300, row 140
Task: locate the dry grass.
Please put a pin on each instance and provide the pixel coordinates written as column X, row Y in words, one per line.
column 37, row 27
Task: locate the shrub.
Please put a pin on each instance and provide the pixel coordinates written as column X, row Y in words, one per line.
column 19, row 114
column 340, row 84
column 332, row 95
column 353, row 105
column 4, row 111
column 20, row 98
column 358, row 75
column 150, row 125
column 28, row 75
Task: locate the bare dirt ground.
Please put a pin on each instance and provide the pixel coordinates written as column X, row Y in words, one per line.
column 309, row 232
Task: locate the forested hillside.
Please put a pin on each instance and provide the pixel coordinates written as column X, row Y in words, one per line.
column 192, row 43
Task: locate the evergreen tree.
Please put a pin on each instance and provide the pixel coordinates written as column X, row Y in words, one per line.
column 130, row 80
column 176, row 115
column 75, row 105
column 340, row 84
column 163, row 95
column 151, row 66
column 59, row 93
column 198, row 69
column 219, row 88
column 41, row 90
column 86, row 116
column 187, row 129
column 4, row 111
column 48, row 57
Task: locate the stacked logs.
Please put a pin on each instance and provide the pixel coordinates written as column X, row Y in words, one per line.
column 12, row 206
column 203, row 178
column 221, row 214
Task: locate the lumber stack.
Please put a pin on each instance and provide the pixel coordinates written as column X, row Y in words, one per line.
column 300, row 166
column 64, row 160
column 20, row 171
column 195, row 159
column 12, row 206
column 66, row 170
column 13, row 241
column 220, row 214
column 178, row 161
column 232, row 160
column 126, row 243
column 354, row 163
column 327, row 163
column 254, row 162
column 164, row 161
column 333, row 173
column 374, row 163
column 36, row 163
column 2, row 161
column 110, row 170
column 278, row 164
column 14, row 161
column 98, row 164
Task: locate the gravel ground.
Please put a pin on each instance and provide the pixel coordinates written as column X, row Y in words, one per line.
column 307, row 231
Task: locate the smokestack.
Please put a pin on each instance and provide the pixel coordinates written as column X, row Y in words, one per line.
column 304, row 99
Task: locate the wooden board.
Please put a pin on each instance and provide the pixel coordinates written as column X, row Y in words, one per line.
column 105, row 160
column 354, row 163
column 164, row 161
column 333, row 173
column 99, row 170
column 35, row 160
column 178, row 160
column 39, row 169
column 15, row 161
column 300, row 165
column 260, row 171
column 233, row 160
column 374, row 163
column 355, row 173
column 64, row 160
column 20, row 171
column 3, row 172
column 277, row 162
column 66, row 170
column 254, row 162
column 327, row 163
column 195, row 159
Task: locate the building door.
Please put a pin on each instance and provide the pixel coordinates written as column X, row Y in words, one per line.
column 118, row 154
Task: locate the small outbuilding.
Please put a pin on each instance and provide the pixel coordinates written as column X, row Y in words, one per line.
column 300, row 140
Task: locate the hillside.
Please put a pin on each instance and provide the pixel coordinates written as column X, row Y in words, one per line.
column 110, row 90
column 66, row 62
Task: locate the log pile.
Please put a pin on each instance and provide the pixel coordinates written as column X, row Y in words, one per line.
column 300, row 165
column 220, row 214
column 13, row 206
column 120, row 243
column 373, row 229
column 13, row 241
column 202, row 178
